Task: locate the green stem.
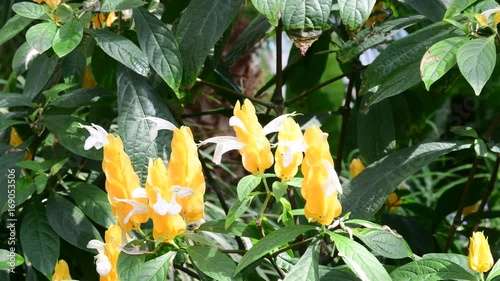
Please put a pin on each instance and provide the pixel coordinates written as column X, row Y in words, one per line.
column 481, row 275
column 264, row 206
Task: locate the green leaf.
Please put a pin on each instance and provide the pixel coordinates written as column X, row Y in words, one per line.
column 80, row 97
column 40, row 36
column 52, row 93
column 39, row 241
column 359, row 260
column 343, row 273
column 370, row 37
column 307, row 267
column 120, row 5
column 22, row 58
column 270, row 242
column 237, row 209
column 11, row 100
column 246, row 185
column 464, row 131
column 41, row 183
column 70, row 222
column 397, row 68
column 67, row 38
column 136, row 100
column 68, row 133
column 376, row 130
column 160, row 47
column 10, row 259
column 5, row 123
column 122, row 50
column 213, row 263
column 495, row 271
column 12, row 27
column 457, row 6
column 476, row 61
column 270, row 9
column 431, row 269
column 461, row 260
column 247, row 40
column 279, row 189
column 30, row 165
column 93, row 202
column 480, row 148
column 304, row 21
column 432, row 9
column 235, row 229
column 39, row 73
column 355, row 12
column 8, row 177
column 29, row 10
column 367, row 192
column 439, row 59
column 156, row 269
column 202, row 24
column 129, row 266
column 384, row 243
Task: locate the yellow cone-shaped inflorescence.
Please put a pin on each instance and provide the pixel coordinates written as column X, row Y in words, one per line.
column 164, row 208
column 185, row 171
column 321, row 185
column 121, row 180
column 480, row 258
column 356, row 167
column 256, row 152
column 61, row 271
column 106, row 260
column 288, row 154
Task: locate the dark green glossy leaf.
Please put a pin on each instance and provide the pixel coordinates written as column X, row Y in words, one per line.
column 39, row 73
column 213, row 263
column 120, row 5
column 122, row 50
column 160, row 47
column 156, row 269
column 431, row 269
column 40, row 36
column 432, row 9
column 22, row 58
column 202, row 24
column 343, row 273
column 355, row 12
column 457, row 6
column 12, row 27
column 270, row 9
column 306, row 267
column 11, row 100
column 39, row 241
column 70, row 222
column 271, row 242
column 67, row 38
column 461, row 260
column 129, row 266
column 93, row 202
column 80, row 97
column 237, row 209
column 367, row 192
column 384, row 243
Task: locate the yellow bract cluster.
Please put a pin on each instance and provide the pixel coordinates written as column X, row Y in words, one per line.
column 480, row 258
column 61, row 271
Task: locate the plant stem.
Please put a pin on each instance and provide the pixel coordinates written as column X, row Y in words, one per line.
column 457, row 220
column 263, row 208
column 187, row 271
column 291, row 246
column 234, row 93
column 293, row 203
column 487, row 194
column 277, row 98
column 346, row 109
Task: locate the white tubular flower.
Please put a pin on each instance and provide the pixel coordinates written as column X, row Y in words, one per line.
column 332, row 183
column 223, row 145
column 137, row 208
column 159, row 124
column 274, row 125
column 163, row 207
column 103, row 265
column 98, row 136
column 292, row 148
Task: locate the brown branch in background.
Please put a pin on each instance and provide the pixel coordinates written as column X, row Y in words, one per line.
column 187, row 271
column 346, row 109
column 457, row 220
column 235, row 93
column 277, row 98
column 487, row 194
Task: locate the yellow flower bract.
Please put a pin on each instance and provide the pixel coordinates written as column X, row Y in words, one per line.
column 289, row 132
column 480, row 259
column 61, row 271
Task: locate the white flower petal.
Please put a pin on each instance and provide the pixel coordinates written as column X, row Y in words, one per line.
column 139, row 192
column 137, row 208
column 236, row 122
column 98, row 136
column 275, row 124
column 181, row 191
column 488, row 13
column 159, row 124
column 332, row 183
column 287, row 158
column 224, row 144
column 103, row 266
column 97, row 245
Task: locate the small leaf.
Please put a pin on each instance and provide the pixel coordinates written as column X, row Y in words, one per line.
column 93, row 202
column 41, row 182
column 270, row 9
column 439, row 59
column 457, row 6
column 122, row 50
column 384, row 243
column 30, row 165
column 355, row 12
column 464, row 131
column 39, row 241
column 480, row 148
column 129, row 266
column 67, row 38
column 246, row 185
column 359, row 260
column 279, row 189
column 160, row 47
column 306, row 267
column 495, row 271
column 156, row 269
column 431, row 269
column 40, row 36
column 120, row 5
column 476, row 61
column 29, row 10
column 70, row 223
column 270, row 242
column 213, row 263
column 237, row 209
column 10, row 259
column 12, row 27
